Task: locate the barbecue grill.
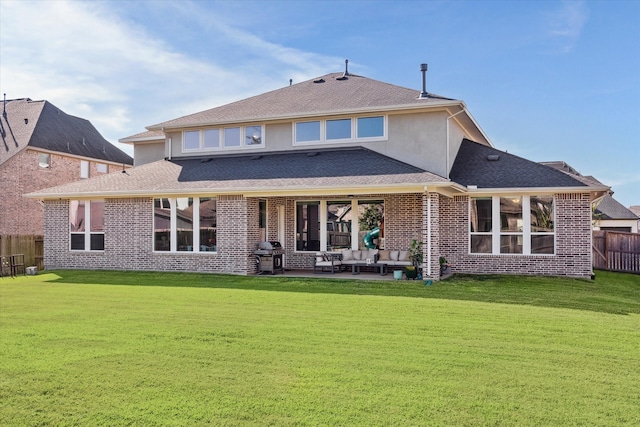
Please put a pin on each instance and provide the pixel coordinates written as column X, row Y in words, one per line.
column 269, row 257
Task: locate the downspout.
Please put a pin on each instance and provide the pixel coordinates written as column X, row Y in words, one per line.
column 170, row 147
column 448, row 143
column 428, row 234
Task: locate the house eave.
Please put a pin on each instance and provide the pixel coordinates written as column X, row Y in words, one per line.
column 266, row 191
column 295, row 116
column 74, row 156
column 594, row 191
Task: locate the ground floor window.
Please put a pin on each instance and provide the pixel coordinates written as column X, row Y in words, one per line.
column 334, row 225
column 512, row 225
column 185, row 224
column 86, row 224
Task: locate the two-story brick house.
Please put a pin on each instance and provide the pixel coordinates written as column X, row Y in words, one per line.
column 308, row 165
column 43, row 146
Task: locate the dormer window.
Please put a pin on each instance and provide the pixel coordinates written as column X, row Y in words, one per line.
column 223, row 138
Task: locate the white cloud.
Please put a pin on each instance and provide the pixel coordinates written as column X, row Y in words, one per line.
column 566, row 24
column 94, row 61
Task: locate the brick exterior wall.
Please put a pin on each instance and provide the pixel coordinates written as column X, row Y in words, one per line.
column 21, row 174
column 573, row 241
column 129, row 237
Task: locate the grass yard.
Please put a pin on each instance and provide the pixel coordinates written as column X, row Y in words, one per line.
column 175, row 349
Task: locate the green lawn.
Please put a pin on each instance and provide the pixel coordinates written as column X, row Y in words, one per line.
column 133, row 348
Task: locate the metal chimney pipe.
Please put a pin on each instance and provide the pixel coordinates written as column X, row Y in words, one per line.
column 423, row 69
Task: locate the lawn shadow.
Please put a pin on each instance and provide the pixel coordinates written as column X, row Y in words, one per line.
column 614, row 293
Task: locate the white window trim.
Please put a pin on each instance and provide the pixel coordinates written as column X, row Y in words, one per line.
column 44, row 165
column 354, row 131
column 526, row 233
column 87, row 228
column 84, row 169
column 173, row 233
column 221, row 137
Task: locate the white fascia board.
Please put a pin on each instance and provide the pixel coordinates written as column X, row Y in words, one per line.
column 247, row 191
column 533, row 190
column 146, row 139
column 473, row 121
column 381, row 109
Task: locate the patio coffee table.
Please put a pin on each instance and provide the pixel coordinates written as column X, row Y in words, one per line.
column 355, row 268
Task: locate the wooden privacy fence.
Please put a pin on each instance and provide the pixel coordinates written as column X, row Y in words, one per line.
column 32, row 247
column 616, row 251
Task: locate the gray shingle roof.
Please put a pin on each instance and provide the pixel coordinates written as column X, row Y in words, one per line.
column 40, row 124
column 610, row 208
column 321, row 169
column 316, row 96
column 474, row 166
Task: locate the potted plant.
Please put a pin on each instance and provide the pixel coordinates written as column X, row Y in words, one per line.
column 411, row 271
column 445, row 267
column 415, row 253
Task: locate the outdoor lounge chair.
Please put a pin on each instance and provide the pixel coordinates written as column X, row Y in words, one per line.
column 326, row 263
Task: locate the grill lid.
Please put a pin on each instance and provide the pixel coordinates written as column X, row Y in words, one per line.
column 270, row 246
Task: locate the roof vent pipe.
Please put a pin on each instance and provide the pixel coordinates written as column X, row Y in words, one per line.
column 345, row 75
column 423, row 69
column 4, row 106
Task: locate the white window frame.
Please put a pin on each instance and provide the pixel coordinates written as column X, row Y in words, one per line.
column 102, row 168
column 84, row 169
column 173, row 232
column 354, row 131
column 221, row 139
column 87, row 227
column 496, row 232
column 46, row 164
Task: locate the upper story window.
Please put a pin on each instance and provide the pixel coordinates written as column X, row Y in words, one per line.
column 44, row 160
column 512, row 225
column 228, row 137
column 102, row 168
column 340, row 130
column 84, row 169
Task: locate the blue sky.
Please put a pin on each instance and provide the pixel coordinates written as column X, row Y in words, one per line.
column 546, row 80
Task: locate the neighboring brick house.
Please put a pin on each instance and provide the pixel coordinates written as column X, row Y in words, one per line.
column 43, row 146
column 324, row 165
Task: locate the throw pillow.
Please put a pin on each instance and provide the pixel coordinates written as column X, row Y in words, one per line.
column 384, row 255
column 347, row 255
column 357, row 255
column 394, row 255
column 403, row 256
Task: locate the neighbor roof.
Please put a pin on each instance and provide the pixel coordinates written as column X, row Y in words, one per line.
column 327, row 94
column 40, row 124
column 610, row 208
column 290, row 171
column 486, row 167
